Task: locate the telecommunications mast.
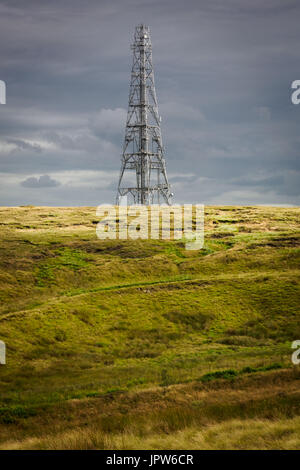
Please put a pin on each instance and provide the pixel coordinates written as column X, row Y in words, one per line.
column 143, row 152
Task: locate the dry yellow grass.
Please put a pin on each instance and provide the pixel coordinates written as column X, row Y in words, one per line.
column 234, row 434
column 258, row 411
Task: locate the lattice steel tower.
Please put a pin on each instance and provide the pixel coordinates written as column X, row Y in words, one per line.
column 143, row 151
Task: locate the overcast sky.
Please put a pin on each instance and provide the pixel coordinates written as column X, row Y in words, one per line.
column 223, row 72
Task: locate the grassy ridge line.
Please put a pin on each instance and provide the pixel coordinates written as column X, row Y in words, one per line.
column 137, row 417
column 187, row 281
column 23, row 410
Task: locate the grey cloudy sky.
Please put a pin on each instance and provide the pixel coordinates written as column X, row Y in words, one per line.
column 223, row 74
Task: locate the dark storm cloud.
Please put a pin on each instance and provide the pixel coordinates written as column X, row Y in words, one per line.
column 22, row 145
column 223, row 76
column 43, row 181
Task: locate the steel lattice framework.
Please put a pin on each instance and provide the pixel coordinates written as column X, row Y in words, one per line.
column 143, row 151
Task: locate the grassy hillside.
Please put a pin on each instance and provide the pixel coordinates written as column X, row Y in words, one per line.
column 95, row 329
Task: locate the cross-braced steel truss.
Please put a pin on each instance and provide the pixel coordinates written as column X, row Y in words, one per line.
column 143, row 151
